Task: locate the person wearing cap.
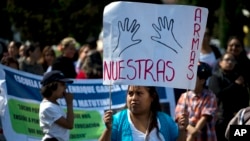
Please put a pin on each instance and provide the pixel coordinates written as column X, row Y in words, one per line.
column 55, row 123
column 201, row 106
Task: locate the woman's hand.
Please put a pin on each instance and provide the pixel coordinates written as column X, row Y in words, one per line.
column 106, row 135
column 108, row 119
column 240, row 81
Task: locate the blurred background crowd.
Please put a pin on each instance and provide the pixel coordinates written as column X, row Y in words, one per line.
column 43, row 35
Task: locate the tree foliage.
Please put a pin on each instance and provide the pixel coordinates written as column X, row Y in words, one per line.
column 48, row 21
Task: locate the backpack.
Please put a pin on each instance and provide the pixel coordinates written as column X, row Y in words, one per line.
column 241, row 118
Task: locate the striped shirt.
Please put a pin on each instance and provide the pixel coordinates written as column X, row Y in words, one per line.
column 197, row 106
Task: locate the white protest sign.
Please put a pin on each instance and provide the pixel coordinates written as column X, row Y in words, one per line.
column 152, row 44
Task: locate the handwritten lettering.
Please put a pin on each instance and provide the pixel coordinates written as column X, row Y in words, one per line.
column 195, row 43
column 160, row 70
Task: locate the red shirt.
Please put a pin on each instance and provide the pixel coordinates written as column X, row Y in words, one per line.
column 81, row 75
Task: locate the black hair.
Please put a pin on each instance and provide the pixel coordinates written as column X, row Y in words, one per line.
column 237, row 38
column 92, row 65
column 8, row 60
column 48, row 89
column 31, row 48
column 154, row 108
column 91, row 41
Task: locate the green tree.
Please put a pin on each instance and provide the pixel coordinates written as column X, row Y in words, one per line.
column 48, row 21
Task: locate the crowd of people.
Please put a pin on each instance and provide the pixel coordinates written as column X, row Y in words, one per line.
column 222, row 89
column 83, row 62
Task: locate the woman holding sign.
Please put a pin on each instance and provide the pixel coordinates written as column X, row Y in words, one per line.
column 142, row 119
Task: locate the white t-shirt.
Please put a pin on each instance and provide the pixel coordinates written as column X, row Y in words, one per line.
column 48, row 114
column 209, row 59
column 140, row 136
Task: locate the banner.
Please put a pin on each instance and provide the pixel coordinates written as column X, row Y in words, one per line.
column 152, row 44
column 91, row 98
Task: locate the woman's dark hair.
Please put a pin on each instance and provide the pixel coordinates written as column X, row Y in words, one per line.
column 31, row 48
column 154, row 108
column 42, row 61
column 92, row 65
column 243, row 55
column 48, row 89
column 237, row 38
column 8, row 60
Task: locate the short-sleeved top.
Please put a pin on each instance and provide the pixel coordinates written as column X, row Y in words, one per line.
column 197, row 106
column 48, row 114
column 122, row 131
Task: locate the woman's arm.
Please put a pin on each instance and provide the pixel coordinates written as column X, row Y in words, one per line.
column 106, row 135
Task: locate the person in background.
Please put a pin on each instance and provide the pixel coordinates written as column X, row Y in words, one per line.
column 65, row 62
column 13, row 49
column 82, row 53
column 3, row 48
column 236, row 47
column 47, row 58
column 201, row 105
column 209, row 53
column 22, row 50
column 10, row 62
column 91, row 42
column 92, row 66
column 30, row 62
column 99, row 43
column 55, row 123
column 242, row 117
column 142, row 119
column 230, row 90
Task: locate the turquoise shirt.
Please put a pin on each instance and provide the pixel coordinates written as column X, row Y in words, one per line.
column 121, row 129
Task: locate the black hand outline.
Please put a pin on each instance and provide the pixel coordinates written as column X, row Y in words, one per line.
column 161, row 30
column 127, row 31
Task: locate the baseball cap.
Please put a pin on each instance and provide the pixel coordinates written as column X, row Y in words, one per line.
column 204, row 70
column 54, row 75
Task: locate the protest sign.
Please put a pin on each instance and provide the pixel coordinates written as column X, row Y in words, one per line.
column 152, row 44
